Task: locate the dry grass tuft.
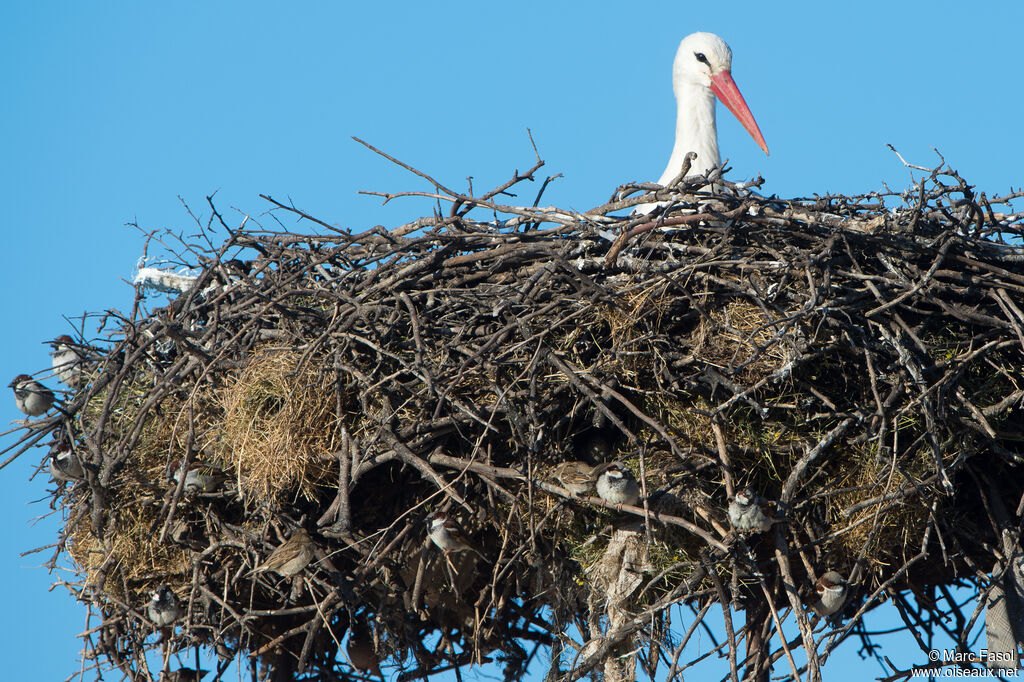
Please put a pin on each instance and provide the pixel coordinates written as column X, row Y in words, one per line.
column 134, row 561
column 279, row 423
column 741, row 337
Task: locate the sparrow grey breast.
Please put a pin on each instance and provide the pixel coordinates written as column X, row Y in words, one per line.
column 617, row 485
column 831, row 589
column 448, row 535
column 30, row 396
column 67, row 361
column 164, row 607
column 64, row 463
column 749, row 513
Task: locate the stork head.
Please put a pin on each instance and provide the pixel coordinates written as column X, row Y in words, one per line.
column 699, row 57
column 704, row 60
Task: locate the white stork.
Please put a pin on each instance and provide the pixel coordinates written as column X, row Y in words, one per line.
column 700, row 72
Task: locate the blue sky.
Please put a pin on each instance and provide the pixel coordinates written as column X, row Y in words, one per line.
column 112, row 111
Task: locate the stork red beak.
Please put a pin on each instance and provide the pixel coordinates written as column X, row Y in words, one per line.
column 725, row 89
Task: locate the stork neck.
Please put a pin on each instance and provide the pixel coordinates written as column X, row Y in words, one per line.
column 695, row 131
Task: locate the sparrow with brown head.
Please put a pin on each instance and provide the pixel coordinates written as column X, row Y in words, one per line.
column 30, row 396
column 750, row 513
column 164, row 607
column 831, row 589
column 448, row 535
column 67, row 360
column 617, row 485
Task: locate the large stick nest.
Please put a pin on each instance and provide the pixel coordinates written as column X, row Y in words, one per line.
column 858, row 364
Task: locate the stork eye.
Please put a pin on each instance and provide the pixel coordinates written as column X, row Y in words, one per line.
column 701, row 58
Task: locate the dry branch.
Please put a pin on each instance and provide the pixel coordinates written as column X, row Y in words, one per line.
column 857, row 363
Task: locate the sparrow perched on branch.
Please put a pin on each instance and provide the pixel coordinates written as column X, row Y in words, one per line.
column 360, row 649
column 68, row 361
column 200, row 477
column 64, row 463
column 448, row 535
column 617, row 485
column 750, row 513
column 164, row 607
column 289, row 558
column 30, row 396
column 831, row 589
column 576, row 477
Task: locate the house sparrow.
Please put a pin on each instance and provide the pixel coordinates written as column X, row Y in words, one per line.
column 67, row 360
column 164, row 607
column 447, row 534
column 30, row 396
column 201, row 478
column 750, row 513
column 290, row 557
column 576, row 477
column 831, row 589
column 183, row 675
column 360, row 649
column 617, row 485
column 64, row 463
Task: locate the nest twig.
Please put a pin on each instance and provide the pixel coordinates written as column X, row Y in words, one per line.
column 854, row 360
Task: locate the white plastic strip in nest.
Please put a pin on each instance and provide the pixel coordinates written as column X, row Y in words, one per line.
column 164, row 281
